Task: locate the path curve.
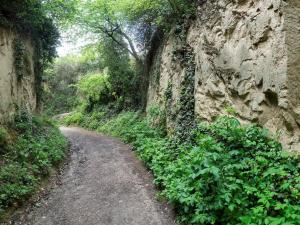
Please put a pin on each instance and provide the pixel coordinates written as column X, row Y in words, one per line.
column 104, row 184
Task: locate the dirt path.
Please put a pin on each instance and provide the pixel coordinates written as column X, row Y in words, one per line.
column 104, row 184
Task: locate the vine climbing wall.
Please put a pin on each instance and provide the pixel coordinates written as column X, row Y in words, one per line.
column 17, row 75
column 241, row 55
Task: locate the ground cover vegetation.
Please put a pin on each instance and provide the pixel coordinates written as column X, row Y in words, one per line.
column 59, row 92
column 227, row 174
column 217, row 173
column 29, row 148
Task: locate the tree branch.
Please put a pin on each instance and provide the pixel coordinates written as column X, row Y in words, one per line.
column 110, row 33
column 130, row 42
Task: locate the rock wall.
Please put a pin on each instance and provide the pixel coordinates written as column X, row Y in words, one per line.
column 247, row 56
column 17, row 75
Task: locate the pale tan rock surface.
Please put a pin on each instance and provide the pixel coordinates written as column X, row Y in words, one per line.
column 15, row 93
column 247, row 56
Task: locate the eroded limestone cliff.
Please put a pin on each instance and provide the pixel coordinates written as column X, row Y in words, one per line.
column 17, row 74
column 246, row 55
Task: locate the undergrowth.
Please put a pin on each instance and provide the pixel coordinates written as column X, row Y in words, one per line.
column 228, row 174
column 30, row 147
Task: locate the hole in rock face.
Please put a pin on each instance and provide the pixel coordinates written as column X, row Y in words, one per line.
column 271, row 7
column 260, row 83
column 271, row 97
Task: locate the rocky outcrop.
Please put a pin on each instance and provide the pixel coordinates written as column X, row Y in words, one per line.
column 247, row 56
column 17, row 75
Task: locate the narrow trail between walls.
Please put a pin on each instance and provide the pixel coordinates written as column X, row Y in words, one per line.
column 104, row 184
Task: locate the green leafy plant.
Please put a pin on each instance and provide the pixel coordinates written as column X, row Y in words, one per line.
column 59, row 91
column 157, row 118
column 3, row 135
column 37, row 148
column 230, row 110
column 94, row 89
column 234, row 175
column 19, row 57
column 228, row 174
column 74, row 118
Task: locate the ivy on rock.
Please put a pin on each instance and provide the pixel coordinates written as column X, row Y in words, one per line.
column 19, row 54
column 29, row 19
column 185, row 113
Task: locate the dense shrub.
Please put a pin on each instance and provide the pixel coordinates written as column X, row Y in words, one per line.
column 75, row 118
column 94, row 89
column 234, row 175
column 59, row 93
column 231, row 174
column 38, row 146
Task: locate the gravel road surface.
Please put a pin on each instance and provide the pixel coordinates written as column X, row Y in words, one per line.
column 103, row 184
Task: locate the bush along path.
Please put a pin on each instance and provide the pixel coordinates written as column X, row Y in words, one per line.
column 104, row 183
column 29, row 150
column 227, row 174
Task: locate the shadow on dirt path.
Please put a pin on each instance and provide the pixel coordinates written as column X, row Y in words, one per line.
column 103, row 184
